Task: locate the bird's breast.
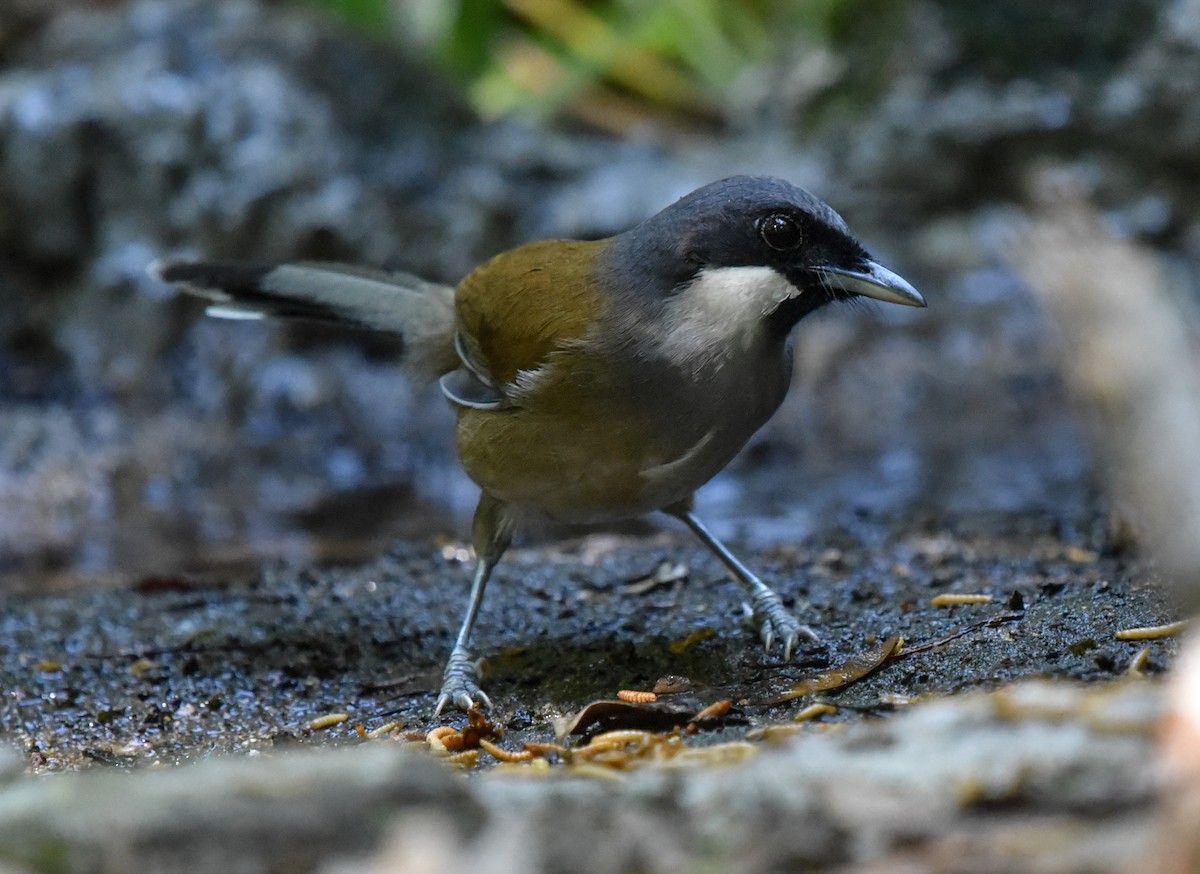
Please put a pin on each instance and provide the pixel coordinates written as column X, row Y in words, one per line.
column 597, row 437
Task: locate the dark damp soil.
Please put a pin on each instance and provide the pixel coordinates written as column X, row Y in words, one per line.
column 172, row 670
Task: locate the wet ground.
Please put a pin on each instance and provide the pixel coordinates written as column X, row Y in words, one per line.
column 172, row 670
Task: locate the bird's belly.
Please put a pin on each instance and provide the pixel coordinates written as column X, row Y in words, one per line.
column 593, row 465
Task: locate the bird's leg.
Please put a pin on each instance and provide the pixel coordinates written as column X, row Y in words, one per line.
column 775, row 622
column 491, row 533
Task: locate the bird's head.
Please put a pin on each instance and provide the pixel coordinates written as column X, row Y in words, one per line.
column 748, row 252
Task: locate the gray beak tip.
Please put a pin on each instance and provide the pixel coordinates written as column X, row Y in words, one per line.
column 877, row 282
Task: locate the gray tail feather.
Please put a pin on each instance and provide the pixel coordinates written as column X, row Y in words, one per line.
column 421, row 313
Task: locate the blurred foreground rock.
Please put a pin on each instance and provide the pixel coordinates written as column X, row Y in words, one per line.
column 1131, row 365
column 1038, row 776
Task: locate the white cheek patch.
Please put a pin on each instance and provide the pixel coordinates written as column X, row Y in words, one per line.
column 740, row 293
column 723, row 308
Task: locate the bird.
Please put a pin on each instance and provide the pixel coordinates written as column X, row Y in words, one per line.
column 597, row 380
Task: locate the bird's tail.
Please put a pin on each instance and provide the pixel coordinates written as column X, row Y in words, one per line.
column 421, row 313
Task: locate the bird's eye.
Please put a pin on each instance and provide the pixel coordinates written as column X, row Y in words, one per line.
column 780, row 232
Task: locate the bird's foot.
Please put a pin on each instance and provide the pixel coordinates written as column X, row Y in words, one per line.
column 776, row 623
column 460, row 683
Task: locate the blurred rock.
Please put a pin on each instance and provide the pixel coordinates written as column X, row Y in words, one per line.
column 919, row 792
column 979, row 93
column 264, row 814
column 238, row 131
column 254, row 131
column 1130, row 364
column 1178, row 842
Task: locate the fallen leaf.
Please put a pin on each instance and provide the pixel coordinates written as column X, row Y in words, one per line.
column 608, row 715
column 679, row 647
column 666, row 574
column 672, row 684
column 854, row 669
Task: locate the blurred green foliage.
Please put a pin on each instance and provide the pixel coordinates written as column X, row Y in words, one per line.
column 366, row 14
column 611, row 58
column 616, row 62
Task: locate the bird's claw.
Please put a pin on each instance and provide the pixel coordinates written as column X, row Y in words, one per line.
column 459, row 683
column 777, row 623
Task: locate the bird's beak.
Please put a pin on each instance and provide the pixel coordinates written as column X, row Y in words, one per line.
column 875, row 280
